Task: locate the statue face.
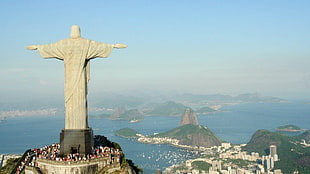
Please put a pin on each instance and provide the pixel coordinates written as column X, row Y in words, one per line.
column 75, row 32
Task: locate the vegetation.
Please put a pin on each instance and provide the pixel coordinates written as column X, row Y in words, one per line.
column 185, row 130
column 180, row 168
column 126, row 163
column 205, row 110
column 292, row 155
column 11, row 163
column 262, row 139
column 117, row 146
column 239, row 162
column 201, row 165
column 192, row 135
column 304, row 136
column 288, row 128
column 100, row 140
column 167, row 109
column 127, row 133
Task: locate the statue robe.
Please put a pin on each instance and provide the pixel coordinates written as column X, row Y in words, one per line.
column 76, row 54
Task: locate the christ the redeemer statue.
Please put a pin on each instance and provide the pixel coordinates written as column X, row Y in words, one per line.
column 76, row 52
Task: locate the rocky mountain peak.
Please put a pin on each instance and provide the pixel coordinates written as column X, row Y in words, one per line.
column 189, row 117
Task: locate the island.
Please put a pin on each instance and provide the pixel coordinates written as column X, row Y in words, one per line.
column 127, row 133
column 205, row 110
column 289, row 128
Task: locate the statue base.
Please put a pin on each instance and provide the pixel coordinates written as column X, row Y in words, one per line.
column 76, row 141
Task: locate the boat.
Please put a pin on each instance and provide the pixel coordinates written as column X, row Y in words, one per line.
column 2, row 119
column 133, row 121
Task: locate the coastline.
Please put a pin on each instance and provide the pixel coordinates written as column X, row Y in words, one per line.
column 291, row 130
column 165, row 140
column 221, row 123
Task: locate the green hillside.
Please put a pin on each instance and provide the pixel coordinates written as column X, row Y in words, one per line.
column 292, row 155
column 167, row 109
column 127, row 133
column 304, row 136
column 192, row 135
column 11, row 163
column 205, row 110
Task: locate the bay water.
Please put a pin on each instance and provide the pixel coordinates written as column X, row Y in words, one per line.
column 235, row 124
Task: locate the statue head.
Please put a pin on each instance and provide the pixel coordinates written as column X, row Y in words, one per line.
column 75, row 32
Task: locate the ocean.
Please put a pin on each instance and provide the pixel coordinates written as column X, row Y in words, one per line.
column 235, row 124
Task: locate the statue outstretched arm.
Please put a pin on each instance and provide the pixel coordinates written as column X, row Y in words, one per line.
column 32, row 47
column 119, row 45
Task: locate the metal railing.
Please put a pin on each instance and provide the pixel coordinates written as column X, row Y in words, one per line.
column 20, row 161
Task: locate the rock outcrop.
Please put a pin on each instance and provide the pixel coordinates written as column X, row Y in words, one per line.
column 189, row 117
column 193, row 135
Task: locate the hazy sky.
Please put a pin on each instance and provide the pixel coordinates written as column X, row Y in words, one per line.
column 206, row 47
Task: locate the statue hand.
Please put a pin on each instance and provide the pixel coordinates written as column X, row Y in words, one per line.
column 32, row 47
column 120, row 45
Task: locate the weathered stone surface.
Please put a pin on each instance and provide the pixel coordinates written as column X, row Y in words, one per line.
column 189, row 117
column 76, row 52
column 77, row 167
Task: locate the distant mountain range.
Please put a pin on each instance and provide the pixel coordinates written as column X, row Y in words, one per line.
column 146, row 100
column 170, row 108
column 220, row 98
column 166, row 109
column 154, row 105
column 123, row 114
column 177, row 106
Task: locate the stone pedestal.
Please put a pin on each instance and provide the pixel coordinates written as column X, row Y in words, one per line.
column 91, row 166
column 76, row 141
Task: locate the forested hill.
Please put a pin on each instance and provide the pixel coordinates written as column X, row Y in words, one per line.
column 293, row 156
column 192, row 135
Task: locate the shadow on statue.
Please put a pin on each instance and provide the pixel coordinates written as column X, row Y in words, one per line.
column 76, row 141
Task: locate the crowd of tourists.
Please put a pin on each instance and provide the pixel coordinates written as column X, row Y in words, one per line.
column 52, row 152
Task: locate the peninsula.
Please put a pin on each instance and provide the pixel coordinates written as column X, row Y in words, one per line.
column 190, row 134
